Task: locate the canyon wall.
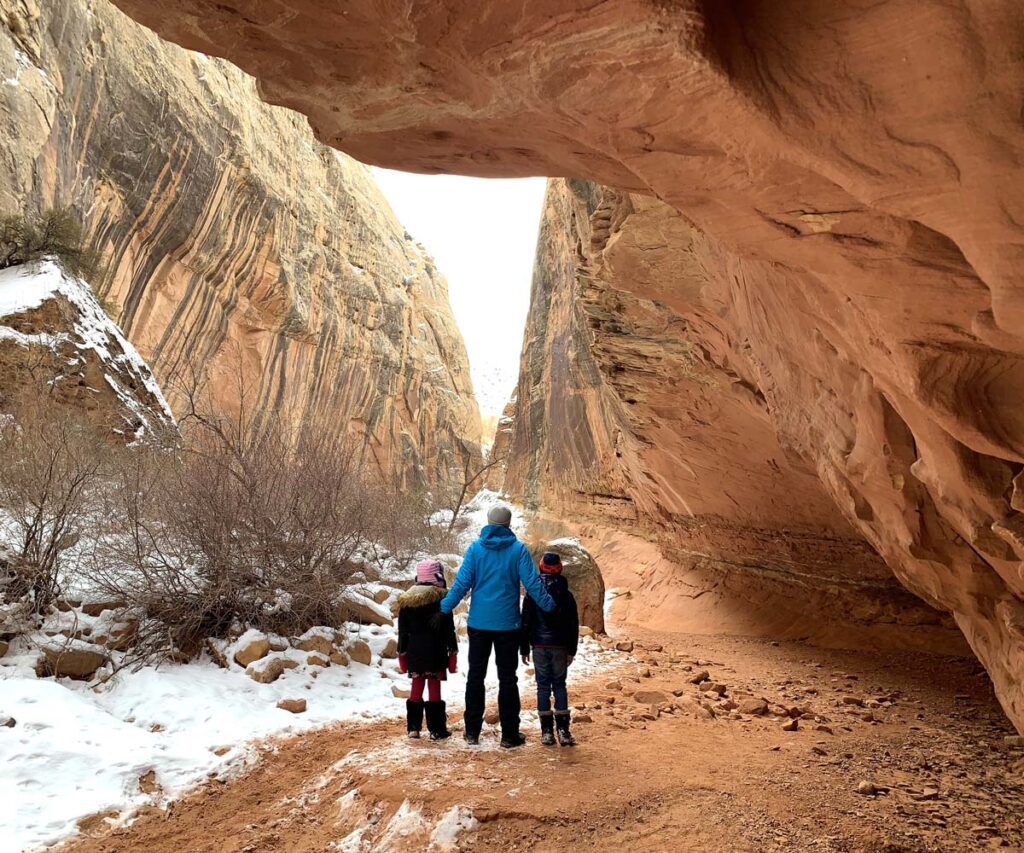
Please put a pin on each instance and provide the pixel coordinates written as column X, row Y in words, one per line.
column 236, row 245
column 848, row 175
column 634, row 422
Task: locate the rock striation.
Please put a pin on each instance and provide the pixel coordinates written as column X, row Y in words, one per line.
column 848, row 178
column 236, row 245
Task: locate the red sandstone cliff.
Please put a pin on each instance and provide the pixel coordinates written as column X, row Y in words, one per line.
column 848, row 180
column 234, row 241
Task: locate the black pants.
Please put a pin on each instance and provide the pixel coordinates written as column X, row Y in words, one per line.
column 506, row 656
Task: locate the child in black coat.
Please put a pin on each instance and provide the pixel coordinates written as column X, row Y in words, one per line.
column 554, row 638
column 427, row 648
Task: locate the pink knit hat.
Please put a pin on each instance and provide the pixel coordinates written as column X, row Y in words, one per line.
column 430, row 571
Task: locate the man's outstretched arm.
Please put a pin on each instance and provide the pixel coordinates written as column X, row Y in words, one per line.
column 463, row 584
column 531, row 581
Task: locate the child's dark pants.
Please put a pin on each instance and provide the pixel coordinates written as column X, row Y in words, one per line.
column 550, row 663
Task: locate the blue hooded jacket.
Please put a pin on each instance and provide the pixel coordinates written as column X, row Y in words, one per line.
column 493, row 568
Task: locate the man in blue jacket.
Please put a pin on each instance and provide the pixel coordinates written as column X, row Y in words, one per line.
column 493, row 568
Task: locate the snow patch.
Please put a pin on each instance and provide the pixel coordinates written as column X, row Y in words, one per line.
column 454, row 822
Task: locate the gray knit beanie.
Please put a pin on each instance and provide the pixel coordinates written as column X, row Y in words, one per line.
column 499, row 515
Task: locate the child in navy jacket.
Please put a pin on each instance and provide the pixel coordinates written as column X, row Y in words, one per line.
column 554, row 638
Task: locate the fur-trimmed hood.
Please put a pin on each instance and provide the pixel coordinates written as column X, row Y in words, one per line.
column 419, row 595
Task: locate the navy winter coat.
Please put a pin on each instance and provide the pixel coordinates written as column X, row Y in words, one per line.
column 559, row 628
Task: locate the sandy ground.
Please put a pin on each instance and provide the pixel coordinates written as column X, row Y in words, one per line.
column 926, row 731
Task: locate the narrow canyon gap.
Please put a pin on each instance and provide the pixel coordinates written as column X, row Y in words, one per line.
column 835, row 194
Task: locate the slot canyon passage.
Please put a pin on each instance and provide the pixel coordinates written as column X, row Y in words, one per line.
column 770, row 382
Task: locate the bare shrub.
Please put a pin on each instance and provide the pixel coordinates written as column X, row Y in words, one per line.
column 54, row 468
column 470, row 485
column 246, row 523
column 55, row 233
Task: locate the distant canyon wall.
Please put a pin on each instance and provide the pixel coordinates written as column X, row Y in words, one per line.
column 236, row 244
column 849, row 185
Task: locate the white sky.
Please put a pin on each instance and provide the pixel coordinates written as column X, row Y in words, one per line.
column 482, row 233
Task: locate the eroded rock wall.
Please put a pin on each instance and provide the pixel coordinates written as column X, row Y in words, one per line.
column 637, row 421
column 235, row 243
column 852, row 175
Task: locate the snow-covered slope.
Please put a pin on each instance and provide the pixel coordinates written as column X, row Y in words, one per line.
column 53, row 330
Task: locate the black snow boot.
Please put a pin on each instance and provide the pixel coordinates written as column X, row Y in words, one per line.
column 547, row 728
column 513, row 740
column 413, row 717
column 437, row 720
column 565, row 737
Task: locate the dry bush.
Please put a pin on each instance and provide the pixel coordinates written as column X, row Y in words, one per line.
column 246, row 523
column 55, row 233
column 54, row 469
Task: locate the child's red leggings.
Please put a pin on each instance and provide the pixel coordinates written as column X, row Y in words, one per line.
column 433, row 689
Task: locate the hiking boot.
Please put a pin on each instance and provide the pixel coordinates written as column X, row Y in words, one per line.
column 547, row 728
column 512, row 741
column 565, row 737
column 437, row 720
column 413, row 717
column 472, row 739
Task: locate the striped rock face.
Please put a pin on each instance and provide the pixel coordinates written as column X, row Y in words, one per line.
column 849, row 178
column 235, row 243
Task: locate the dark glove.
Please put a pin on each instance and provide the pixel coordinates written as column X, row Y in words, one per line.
column 453, row 662
column 403, row 663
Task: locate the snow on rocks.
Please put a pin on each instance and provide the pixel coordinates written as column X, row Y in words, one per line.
column 355, row 607
column 89, row 347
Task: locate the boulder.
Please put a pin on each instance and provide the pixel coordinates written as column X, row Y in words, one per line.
column 353, row 606
column 753, row 705
column 491, row 717
column 293, row 706
column 218, row 652
column 76, row 661
column 400, row 692
column 4, row 646
column 391, row 649
column 312, row 641
column 339, row 658
column 278, row 644
column 381, row 595
column 624, row 646
column 269, row 669
column 317, row 659
column 95, row 608
column 122, row 637
column 360, row 652
column 584, row 578
column 252, row 649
